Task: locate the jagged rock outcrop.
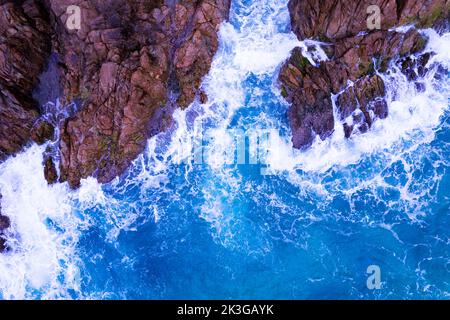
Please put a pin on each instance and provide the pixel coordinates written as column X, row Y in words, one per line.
column 130, row 65
column 338, row 19
column 25, row 45
column 127, row 68
column 354, row 53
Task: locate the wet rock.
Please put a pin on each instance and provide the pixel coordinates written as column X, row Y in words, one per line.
column 364, row 103
column 42, row 132
column 311, row 112
column 354, row 53
column 50, row 172
column 334, row 20
column 203, row 97
column 131, row 64
column 413, row 67
column 4, row 222
column 24, row 47
column 3, row 245
column 128, row 68
column 49, row 88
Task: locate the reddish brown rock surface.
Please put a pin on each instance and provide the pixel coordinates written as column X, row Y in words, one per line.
column 338, row 19
column 131, row 64
column 128, row 67
column 25, row 44
column 352, row 51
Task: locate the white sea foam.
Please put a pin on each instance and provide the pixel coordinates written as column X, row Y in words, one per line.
column 413, row 116
column 256, row 46
column 313, row 51
column 46, row 223
column 253, row 43
column 409, row 110
column 402, row 29
column 43, row 233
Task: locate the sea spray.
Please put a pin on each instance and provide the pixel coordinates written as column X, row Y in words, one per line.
column 411, row 113
column 42, row 262
column 46, row 223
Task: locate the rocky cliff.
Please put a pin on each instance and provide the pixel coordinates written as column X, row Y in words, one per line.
column 123, row 70
column 130, row 65
column 127, row 67
column 355, row 51
column 25, row 43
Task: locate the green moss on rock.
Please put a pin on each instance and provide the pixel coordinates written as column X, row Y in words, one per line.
column 299, row 61
column 284, row 93
column 431, row 18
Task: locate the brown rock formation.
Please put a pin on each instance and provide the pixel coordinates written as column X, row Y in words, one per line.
column 352, row 51
column 338, row 19
column 50, row 173
column 131, row 64
column 128, row 67
column 24, row 47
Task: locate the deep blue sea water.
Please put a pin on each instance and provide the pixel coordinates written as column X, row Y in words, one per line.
column 175, row 228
